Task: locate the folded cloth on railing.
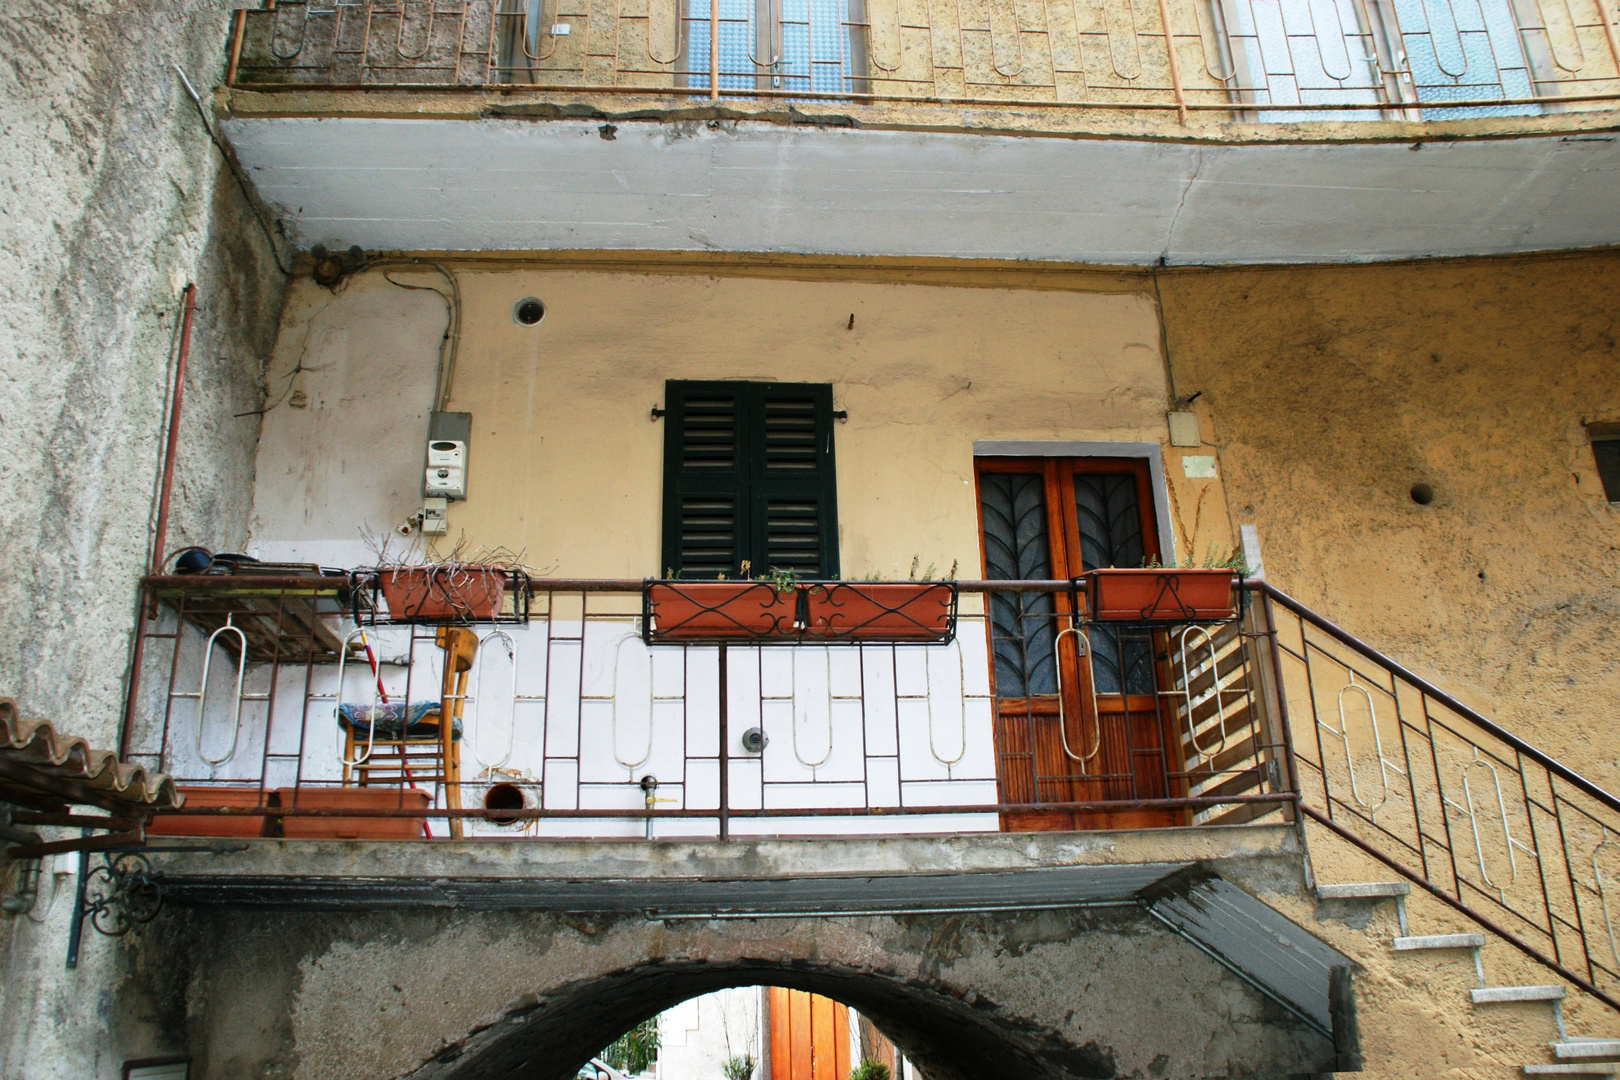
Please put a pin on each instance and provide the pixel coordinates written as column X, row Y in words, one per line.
column 393, row 722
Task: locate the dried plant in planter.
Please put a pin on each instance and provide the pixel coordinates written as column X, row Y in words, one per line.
column 463, row 586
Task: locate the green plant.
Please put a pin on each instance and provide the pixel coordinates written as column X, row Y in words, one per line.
column 1233, row 561
column 782, row 580
column 635, row 1050
column 869, row 1069
column 738, row 1067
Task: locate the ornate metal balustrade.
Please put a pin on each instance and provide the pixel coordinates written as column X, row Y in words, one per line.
column 1267, row 60
column 585, row 720
column 1481, row 819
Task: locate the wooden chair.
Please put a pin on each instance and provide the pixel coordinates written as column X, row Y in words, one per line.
column 427, row 750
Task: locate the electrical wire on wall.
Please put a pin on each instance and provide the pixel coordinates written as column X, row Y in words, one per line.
column 450, row 343
column 235, row 170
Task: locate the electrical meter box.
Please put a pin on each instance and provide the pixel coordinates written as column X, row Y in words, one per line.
column 446, row 475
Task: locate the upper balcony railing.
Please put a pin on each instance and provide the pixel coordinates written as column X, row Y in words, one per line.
column 1256, row 60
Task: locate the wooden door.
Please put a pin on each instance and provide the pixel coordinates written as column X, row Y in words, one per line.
column 809, row 1036
column 1056, row 518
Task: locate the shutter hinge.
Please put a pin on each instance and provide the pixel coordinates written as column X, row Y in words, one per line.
column 658, row 414
column 841, row 415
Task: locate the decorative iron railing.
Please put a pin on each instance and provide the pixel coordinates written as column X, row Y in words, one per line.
column 267, row 698
column 1474, row 815
column 1266, row 60
column 872, row 711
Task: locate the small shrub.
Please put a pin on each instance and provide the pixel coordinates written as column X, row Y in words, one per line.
column 869, row 1069
column 635, row 1050
column 738, row 1067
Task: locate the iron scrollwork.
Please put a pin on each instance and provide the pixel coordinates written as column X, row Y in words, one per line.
column 121, row 893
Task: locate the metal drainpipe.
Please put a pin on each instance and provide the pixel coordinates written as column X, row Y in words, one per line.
column 160, row 536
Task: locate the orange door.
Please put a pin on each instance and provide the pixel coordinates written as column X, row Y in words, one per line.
column 809, row 1036
column 1056, row 742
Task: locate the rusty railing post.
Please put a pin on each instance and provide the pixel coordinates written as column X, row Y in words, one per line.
column 714, row 95
column 725, row 744
column 236, row 46
column 1175, row 65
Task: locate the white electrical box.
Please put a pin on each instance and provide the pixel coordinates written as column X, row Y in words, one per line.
column 446, row 469
column 434, row 516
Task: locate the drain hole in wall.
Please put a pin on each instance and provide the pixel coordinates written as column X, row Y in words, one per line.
column 528, row 311
column 503, row 797
column 1422, row 494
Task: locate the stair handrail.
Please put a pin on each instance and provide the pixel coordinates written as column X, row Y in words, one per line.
column 1472, row 716
column 1428, row 690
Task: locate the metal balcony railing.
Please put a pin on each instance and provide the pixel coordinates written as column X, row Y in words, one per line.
column 1479, row 818
column 1264, row 60
column 659, row 709
column 584, row 720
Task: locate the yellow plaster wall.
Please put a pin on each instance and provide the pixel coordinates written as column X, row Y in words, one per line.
column 1329, row 391
column 566, row 464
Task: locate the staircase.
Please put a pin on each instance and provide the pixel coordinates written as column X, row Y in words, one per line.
column 1566, row 1055
column 1512, row 852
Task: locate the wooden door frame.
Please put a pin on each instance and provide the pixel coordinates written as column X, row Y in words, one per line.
column 1065, row 560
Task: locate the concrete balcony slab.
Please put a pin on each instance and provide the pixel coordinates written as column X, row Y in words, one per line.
column 532, row 185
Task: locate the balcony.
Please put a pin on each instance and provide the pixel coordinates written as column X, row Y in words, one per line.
column 583, row 720
column 959, row 131
column 1226, row 60
column 584, row 712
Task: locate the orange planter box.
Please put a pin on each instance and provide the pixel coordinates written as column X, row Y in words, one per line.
column 711, row 610
column 209, row 825
column 880, row 611
column 442, row 593
column 354, row 798
column 1162, row 595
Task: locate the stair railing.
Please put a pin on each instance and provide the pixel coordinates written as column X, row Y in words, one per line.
column 1480, row 819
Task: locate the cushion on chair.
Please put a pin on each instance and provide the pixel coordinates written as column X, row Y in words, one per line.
column 393, row 722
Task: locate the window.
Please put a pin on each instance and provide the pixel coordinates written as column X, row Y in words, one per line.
column 1606, row 450
column 815, row 46
column 749, row 479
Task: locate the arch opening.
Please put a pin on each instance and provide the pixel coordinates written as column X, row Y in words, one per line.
column 945, row 1036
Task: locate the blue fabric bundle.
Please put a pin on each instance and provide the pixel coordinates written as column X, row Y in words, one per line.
column 392, row 720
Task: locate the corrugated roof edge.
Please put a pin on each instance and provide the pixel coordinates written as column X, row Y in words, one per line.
column 68, row 757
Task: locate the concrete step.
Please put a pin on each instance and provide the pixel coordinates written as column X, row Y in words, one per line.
column 1491, row 994
column 1440, row 941
column 1578, row 1068
column 1587, row 1050
column 1363, row 890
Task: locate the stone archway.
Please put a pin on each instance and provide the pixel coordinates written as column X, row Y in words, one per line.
column 946, row 1035
column 435, row 994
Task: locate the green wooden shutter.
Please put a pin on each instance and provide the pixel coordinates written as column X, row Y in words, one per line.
column 793, row 496
column 749, row 476
column 706, row 472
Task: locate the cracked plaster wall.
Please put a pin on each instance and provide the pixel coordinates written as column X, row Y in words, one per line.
column 111, row 199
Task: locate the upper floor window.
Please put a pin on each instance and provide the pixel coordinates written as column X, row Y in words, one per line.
column 810, row 46
column 749, row 483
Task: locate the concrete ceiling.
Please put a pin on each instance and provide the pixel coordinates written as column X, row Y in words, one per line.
column 546, row 184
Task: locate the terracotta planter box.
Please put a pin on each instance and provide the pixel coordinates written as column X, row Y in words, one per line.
column 1163, row 595
column 715, row 610
column 881, row 611
column 443, row 594
column 233, row 825
column 354, row 798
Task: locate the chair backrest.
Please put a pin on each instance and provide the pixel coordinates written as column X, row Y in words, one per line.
column 460, row 645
